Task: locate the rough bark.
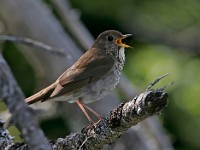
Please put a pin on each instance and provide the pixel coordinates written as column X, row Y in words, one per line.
column 110, row 128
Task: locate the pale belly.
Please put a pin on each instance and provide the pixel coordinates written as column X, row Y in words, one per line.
column 96, row 90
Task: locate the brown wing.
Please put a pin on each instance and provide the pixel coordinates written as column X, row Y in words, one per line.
column 89, row 68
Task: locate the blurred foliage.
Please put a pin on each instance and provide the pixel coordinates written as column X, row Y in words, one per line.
column 170, row 15
column 20, row 67
column 14, row 131
column 157, row 25
column 181, row 117
column 55, row 128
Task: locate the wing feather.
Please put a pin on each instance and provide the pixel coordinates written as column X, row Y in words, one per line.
column 80, row 75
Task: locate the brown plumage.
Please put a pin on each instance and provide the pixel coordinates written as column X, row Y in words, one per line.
column 94, row 74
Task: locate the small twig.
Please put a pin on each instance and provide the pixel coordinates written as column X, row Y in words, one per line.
column 33, row 43
column 156, row 81
column 166, row 86
column 80, row 148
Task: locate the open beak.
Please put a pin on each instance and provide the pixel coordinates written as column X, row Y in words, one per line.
column 119, row 40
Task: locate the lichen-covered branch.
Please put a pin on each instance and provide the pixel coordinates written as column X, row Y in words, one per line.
column 5, row 138
column 22, row 115
column 116, row 123
column 107, row 131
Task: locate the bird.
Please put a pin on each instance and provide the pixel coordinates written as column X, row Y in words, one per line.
column 94, row 75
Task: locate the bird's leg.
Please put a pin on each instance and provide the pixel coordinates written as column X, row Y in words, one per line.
column 94, row 112
column 79, row 103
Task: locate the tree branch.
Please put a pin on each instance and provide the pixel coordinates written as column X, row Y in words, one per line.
column 22, row 115
column 33, row 43
column 126, row 115
column 5, row 138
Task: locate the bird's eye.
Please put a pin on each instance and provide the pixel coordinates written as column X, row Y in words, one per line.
column 110, row 38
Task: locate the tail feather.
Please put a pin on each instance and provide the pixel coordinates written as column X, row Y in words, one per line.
column 41, row 95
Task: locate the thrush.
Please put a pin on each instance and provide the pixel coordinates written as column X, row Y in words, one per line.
column 94, row 75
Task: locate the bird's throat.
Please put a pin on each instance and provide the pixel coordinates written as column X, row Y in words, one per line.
column 121, row 56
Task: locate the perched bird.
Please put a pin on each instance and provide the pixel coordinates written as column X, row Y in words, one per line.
column 94, row 75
